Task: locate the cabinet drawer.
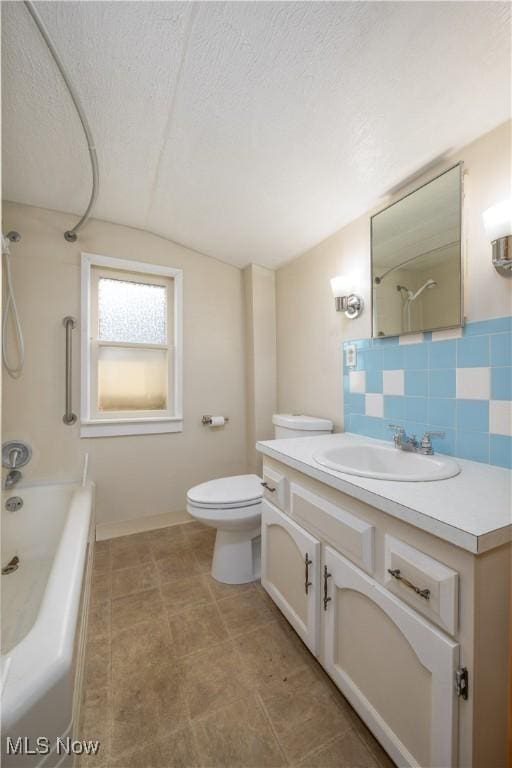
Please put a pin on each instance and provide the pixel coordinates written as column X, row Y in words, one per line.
column 439, row 585
column 275, row 488
column 334, row 525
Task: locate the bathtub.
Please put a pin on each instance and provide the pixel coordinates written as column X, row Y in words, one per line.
column 44, row 620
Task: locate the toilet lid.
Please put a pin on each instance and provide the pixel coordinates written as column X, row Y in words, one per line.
column 227, row 491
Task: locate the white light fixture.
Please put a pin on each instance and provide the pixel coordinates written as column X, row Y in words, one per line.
column 346, row 300
column 498, row 225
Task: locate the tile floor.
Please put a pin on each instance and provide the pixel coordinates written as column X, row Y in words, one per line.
column 183, row 672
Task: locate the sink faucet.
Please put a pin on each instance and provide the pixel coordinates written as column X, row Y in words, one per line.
column 409, row 443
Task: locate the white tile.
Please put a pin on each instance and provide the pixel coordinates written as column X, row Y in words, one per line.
column 357, row 381
column 374, row 405
column 500, row 417
column 411, row 338
column 474, row 383
column 450, row 333
column 393, row 382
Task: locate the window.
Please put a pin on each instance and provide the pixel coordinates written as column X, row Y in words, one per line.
column 131, row 348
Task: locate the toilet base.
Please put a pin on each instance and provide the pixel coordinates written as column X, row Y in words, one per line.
column 237, row 556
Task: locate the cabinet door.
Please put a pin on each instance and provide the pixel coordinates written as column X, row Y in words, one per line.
column 396, row 669
column 290, row 570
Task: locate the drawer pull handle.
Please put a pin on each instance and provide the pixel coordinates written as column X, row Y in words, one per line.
column 307, row 582
column 395, row 573
column 267, row 486
column 327, row 575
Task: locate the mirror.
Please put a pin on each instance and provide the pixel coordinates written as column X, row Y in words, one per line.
column 416, row 259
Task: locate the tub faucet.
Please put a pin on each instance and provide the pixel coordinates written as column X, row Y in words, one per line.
column 14, row 454
column 13, row 477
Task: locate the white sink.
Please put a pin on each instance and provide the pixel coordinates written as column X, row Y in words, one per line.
column 384, row 462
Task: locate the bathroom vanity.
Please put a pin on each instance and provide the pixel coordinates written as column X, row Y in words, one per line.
column 402, row 592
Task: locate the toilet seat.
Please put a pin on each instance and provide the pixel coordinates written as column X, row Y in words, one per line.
column 227, row 493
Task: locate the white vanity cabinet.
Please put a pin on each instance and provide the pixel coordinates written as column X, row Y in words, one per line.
column 400, row 646
column 290, row 570
column 393, row 666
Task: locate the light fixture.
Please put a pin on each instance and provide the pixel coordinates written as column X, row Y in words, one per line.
column 498, row 225
column 346, row 300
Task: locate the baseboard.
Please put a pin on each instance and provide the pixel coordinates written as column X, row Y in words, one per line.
column 138, row 525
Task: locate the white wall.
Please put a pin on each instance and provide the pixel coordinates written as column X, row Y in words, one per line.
column 261, row 362
column 142, row 475
column 310, row 332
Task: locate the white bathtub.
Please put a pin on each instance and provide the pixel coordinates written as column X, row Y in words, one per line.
column 44, row 608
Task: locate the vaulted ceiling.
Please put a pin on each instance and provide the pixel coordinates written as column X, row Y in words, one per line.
column 249, row 131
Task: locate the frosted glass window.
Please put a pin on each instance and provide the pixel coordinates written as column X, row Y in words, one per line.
column 132, row 312
column 132, row 379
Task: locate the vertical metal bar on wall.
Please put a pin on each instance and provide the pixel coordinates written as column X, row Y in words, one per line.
column 69, row 324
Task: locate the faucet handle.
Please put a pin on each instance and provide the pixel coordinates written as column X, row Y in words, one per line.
column 396, row 429
column 426, row 443
column 398, row 434
column 13, row 457
column 428, row 435
column 15, row 454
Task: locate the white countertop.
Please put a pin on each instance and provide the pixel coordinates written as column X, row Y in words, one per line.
column 472, row 510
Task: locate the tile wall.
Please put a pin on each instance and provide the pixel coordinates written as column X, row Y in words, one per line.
column 458, row 382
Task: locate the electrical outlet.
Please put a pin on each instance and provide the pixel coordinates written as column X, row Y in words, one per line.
column 351, row 356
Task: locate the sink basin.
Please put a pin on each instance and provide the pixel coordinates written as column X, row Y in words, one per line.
column 384, row 462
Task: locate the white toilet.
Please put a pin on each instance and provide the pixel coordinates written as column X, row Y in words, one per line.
column 232, row 505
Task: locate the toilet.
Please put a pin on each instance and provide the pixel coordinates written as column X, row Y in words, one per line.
column 232, row 505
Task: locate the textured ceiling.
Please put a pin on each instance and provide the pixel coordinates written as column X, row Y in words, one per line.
column 248, row 131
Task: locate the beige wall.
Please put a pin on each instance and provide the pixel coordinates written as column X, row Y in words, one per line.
column 141, row 475
column 310, row 332
column 261, row 362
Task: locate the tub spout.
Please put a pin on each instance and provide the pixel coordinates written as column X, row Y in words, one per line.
column 13, row 477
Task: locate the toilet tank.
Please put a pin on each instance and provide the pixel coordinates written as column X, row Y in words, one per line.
column 298, row 425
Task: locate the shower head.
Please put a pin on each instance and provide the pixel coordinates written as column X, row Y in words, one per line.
column 429, row 284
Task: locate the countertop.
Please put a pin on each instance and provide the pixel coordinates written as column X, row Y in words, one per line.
column 472, row 510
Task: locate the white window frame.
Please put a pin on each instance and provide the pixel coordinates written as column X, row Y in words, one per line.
column 137, row 424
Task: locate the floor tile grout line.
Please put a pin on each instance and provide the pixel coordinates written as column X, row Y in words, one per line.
column 231, row 641
column 267, row 717
column 327, row 743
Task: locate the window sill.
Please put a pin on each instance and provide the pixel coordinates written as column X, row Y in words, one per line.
column 119, row 427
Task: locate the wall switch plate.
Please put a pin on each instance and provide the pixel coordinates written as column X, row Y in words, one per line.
column 351, row 356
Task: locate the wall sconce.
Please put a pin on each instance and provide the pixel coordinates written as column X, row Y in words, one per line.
column 346, row 300
column 498, row 225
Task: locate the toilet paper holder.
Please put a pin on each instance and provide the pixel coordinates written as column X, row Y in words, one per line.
column 207, row 420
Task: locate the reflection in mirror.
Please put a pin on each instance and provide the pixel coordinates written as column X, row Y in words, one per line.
column 416, row 259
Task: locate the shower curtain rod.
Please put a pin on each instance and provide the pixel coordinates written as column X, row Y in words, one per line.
column 71, row 235
column 379, row 278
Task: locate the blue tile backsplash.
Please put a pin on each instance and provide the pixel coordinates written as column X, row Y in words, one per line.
column 461, row 386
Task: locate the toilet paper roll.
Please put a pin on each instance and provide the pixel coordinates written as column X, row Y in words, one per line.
column 218, row 421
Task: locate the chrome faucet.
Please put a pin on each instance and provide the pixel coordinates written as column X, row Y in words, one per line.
column 14, row 454
column 425, row 446
column 13, row 477
column 409, row 443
